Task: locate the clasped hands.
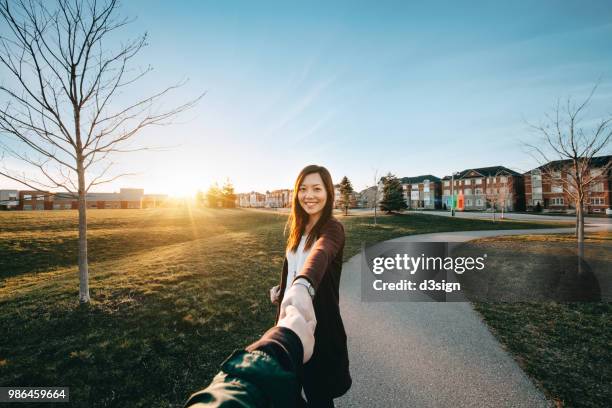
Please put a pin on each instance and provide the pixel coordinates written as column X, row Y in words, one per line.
column 297, row 313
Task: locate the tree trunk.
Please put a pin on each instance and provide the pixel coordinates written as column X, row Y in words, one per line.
column 83, row 264
column 580, row 234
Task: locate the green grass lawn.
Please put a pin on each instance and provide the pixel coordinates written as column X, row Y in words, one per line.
column 174, row 291
column 566, row 347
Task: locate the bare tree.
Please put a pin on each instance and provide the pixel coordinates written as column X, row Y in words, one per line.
column 63, row 113
column 566, row 147
column 498, row 192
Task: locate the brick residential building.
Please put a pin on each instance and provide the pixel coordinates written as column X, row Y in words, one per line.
column 547, row 186
column 486, row 187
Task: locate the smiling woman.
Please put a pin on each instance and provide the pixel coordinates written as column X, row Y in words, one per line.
column 311, row 276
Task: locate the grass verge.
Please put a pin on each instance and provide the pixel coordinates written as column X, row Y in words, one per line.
column 566, row 347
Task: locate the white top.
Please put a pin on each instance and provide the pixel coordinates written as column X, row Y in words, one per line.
column 295, row 262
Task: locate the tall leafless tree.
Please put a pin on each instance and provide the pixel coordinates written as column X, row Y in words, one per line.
column 497, row 193
column 62, row 109
column 565, row 146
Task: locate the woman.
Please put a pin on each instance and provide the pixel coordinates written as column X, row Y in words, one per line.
column 314, row 259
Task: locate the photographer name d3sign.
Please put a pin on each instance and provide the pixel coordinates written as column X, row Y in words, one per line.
column 426, row 285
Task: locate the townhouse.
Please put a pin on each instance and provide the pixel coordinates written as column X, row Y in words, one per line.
column 252, row 200
column 278, row 198
column 483, row 188
column 422, row 192
column 550, row 187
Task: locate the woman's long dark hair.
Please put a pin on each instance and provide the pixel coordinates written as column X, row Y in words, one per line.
column 299, row 218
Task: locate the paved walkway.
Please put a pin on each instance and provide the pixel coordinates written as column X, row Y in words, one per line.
column 429, row 354
column 595, row 221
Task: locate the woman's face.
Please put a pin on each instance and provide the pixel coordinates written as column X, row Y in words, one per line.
column 312, row 195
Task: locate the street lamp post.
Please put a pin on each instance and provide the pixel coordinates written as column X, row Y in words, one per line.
column 452, row 203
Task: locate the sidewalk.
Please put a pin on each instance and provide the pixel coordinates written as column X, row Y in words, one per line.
column 406, row 354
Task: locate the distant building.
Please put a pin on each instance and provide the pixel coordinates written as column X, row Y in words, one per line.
column 422, row 192
column 486, row 187
column 251, row 200
column 31, row 200
column 278, row 198
column 366, row 198
column 9, row 199
column 154, row 200
column 547, row 186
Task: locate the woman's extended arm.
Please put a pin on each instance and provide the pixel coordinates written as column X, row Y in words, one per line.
column 323, row 252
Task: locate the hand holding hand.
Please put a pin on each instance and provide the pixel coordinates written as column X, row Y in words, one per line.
column 297, row 296
column 304, row 329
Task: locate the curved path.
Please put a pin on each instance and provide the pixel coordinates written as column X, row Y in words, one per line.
column 408, row 354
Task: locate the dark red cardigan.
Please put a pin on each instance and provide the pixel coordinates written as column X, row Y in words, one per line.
column 328, row 368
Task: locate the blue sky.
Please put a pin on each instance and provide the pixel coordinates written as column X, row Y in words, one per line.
column 408, row 87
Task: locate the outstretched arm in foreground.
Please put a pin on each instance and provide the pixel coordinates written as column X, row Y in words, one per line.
column 265, row 373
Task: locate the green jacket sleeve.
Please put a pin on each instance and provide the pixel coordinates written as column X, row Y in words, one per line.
column 265, row 376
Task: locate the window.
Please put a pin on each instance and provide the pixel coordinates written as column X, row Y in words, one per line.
column 537, row 190
column 40, row 198
column 597, row 201
column 556, row 201
column 556, row 188
column 27, row 197
column 491, row 180
column 467, row 182
column 415, row 186
column 447, row 192
column 598, row 187
column 27, row 207
column 479, row 181
column 467, row 191
column 596, row 172
column 503, row 179
column 479, row 203
column 468, row 203
column 446, row 183
column 426, row 186
column 478, row 191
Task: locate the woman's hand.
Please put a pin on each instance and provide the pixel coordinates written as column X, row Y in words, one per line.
column 298, row 297
column 275, row 294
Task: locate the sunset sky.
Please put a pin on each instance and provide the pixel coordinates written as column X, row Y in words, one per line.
column 408, row 87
